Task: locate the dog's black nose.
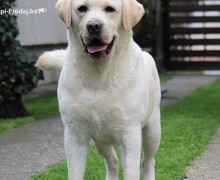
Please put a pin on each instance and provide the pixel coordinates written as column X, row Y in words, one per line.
column 94, row 28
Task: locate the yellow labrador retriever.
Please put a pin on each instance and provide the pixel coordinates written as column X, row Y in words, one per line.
column 108, row 89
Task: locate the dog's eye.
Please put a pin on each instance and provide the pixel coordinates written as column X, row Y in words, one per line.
column 109, row 9
column 82, row 9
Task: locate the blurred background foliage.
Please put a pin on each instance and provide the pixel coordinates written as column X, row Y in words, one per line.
column 148, row 33
column 144, row 31
column 18, row 75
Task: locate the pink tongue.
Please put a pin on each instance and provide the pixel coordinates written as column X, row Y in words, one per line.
column 96, row 48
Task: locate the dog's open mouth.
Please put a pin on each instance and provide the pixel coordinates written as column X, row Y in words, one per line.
column 96, row 48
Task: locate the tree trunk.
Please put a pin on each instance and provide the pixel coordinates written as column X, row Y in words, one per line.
column 13, row 108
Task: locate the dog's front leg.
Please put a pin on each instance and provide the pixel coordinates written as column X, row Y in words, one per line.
column 76, row 147
column 130, row 153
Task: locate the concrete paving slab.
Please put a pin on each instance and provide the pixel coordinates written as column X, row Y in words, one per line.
column 179, row 86
column 26, row 150
column 207, row 166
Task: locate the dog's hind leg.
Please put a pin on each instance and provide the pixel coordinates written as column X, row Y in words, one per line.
column 151, row 140
column 111, row 161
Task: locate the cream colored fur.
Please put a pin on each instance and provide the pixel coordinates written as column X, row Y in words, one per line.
column 51, row 60
column 113, row 100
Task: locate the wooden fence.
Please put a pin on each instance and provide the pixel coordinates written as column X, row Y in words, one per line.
column 192, row 34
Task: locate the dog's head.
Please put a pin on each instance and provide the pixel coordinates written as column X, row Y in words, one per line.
column 97, row 22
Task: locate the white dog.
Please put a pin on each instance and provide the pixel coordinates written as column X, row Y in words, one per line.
column 108, row 89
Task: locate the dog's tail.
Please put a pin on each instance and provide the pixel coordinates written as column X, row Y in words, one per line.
column 51, row 60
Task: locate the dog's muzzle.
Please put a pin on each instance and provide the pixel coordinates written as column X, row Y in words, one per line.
column 95, row 46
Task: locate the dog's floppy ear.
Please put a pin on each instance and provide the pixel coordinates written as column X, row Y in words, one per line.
column 132, row 13
column 64, row 10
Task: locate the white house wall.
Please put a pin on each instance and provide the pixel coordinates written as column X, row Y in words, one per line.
column 41, row 32
column 40, row 29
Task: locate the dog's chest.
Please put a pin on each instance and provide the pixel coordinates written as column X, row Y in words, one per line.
column 103, row 115
column 102, row 118
column 103, row 109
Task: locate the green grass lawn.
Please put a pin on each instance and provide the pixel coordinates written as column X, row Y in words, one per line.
column 187, row 128
column 39, row 108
